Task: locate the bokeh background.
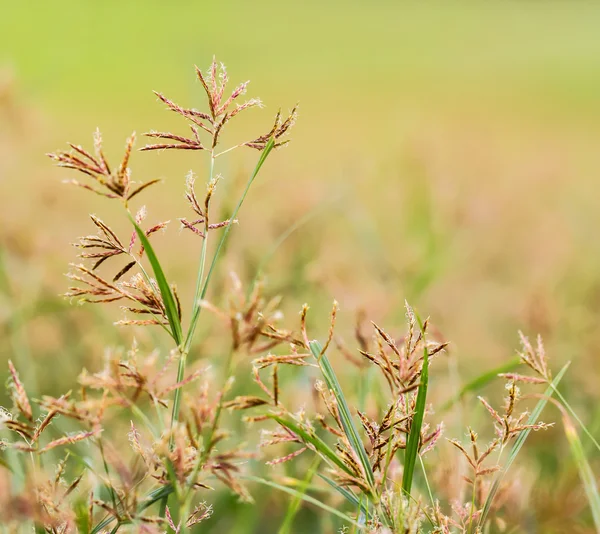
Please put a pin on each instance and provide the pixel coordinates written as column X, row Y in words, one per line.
column 446, row 153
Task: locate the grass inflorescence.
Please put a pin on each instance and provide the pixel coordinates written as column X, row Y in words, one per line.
column 167, row 432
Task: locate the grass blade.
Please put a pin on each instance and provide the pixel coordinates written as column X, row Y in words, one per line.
column 82, row 516
column 348, row 495
column 304, row 497
column 585, row 471
column 480, row 381
column 345, row 416
column 577, row 418
column 321, row 447
column 414, row 438
column 163, row 285
column 294, row 506
column 535, row 414
column 153, row 498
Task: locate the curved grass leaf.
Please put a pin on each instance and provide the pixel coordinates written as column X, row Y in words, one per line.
column 82, row 515
column 320, row 446
column 304, row 497
column 345, row 416
column 153, row 497
column 585, row 472
column 480, row 381
column 163, row 285
column 535, row 414
column 577, row 418
column 348, row 495
column 294, row 506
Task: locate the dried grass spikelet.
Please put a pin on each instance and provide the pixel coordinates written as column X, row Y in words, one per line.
column 385, row 434
column 401, row 363
column 253, row 320
column 19, row 395
column 44, row 500
column 86, row 410
column 476, row 458
column 127, row 377
column 220, row 112
column 535, row 358
column 106, row 244
column 188, row 459
column 201, row 512
column 507, row 424
column 142, row 292
column 201, row 210
column 406, row 515
column 115, row 183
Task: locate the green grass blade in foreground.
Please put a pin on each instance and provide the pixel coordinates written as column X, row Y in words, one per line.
column 585, row 471
column 414, row 438
column 345, row 416
column 304, row 497
column 577, row 418
column 320, row 446
column 163, row 285
column 153, row 497
column 294, row 506
column 347, row 494
column 519, row 443
column 482, row 380
column 82, row 515
column 197, row 307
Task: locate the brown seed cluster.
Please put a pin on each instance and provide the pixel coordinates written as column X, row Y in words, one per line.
column 221, row 110
column 115, row 183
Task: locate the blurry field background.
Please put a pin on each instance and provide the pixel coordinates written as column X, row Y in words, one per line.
column 449, row 153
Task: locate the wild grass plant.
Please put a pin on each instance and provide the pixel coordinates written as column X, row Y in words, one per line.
column 144, row 441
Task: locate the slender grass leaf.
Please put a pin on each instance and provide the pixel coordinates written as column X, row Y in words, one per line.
column 304, row 497
column 345, row 416
column 163, row 285
column 585, row 472
column 429, row 492
column 320, row 446
column 480, row 381
column 414, row 438
column 294, row 506
column 82, row 515
column 153, row 497
column 102, row 525
column 576, row 417
column 535, row 414
column 348, row 495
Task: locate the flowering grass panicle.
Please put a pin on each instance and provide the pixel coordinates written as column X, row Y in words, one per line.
column 149, row 439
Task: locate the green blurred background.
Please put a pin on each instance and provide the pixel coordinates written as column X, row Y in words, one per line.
column 447, row 151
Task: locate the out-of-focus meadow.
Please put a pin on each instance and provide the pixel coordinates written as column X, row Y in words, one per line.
column 445, row 153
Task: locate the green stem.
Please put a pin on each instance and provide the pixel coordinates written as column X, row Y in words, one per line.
column 197, row 308
column 207, row 441
column 426, row 481
column 472, row 504
column 199, row 294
